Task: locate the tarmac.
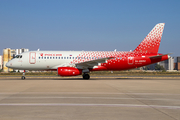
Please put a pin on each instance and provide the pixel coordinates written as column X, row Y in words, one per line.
column 99, row 98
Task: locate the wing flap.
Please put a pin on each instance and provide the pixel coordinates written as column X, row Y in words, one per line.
column 92, row 63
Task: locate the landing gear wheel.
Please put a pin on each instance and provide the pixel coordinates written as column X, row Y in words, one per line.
column 86, row 76
column 23, row 77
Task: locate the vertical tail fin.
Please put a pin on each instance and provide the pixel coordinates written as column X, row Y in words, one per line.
column 151, row 42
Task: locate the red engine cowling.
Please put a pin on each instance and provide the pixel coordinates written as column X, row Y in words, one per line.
column 68, row 71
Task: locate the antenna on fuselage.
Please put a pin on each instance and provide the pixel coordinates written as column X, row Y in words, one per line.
column 115, row 50
column 38, row 49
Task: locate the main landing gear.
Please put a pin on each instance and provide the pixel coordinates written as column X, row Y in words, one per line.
column 86, row 76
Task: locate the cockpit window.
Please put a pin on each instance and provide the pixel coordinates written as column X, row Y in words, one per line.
column 18, row 56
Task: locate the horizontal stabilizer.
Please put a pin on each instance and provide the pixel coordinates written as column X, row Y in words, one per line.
column 160, row 55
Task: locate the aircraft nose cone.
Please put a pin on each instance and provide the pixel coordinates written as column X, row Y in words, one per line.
column 8, row 64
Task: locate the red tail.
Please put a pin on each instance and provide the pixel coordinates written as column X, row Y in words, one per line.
column 152, row 41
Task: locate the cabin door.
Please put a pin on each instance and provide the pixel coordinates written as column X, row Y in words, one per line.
column 130, row 60
column 32, row 57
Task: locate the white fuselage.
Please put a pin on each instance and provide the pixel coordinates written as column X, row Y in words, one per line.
column 41, row 60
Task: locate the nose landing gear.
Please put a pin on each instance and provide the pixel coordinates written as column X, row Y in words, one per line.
column 23, row 76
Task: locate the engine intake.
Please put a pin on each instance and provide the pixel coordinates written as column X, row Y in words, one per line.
column 68, row 71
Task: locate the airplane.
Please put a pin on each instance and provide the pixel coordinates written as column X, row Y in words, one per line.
column 73, row 63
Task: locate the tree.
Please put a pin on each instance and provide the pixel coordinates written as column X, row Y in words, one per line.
column 146, row 68
column 159, row 67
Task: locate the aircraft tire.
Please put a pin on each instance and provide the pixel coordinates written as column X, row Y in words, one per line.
column 86, row 76
column 23, row 77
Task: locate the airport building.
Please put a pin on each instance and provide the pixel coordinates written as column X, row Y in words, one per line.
column 168, row 64
column 8, row 54
column 177, row 64
column 19, row 51
column 1, row 62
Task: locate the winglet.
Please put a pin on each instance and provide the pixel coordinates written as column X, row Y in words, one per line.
column 152, row 41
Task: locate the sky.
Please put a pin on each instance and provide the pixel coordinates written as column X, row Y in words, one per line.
column 89, row 25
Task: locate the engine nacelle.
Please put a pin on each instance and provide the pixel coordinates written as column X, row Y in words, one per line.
column 68, row 71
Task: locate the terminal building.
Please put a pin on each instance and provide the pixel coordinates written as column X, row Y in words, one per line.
column 8, row 54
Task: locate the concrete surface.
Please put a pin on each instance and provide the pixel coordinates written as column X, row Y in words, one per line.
column 94, row 99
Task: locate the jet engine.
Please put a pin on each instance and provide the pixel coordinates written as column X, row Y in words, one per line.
column 68, row 71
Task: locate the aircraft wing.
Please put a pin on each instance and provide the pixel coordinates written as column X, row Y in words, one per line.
column 92, row 63
column 160, row 55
